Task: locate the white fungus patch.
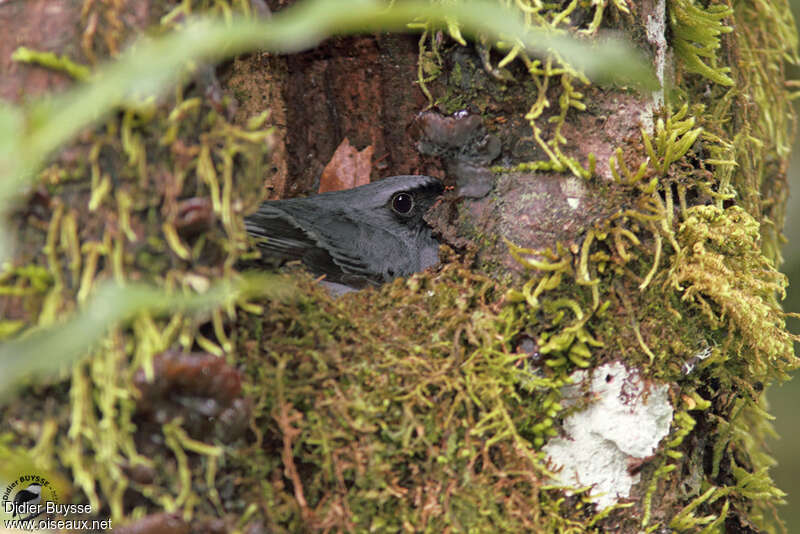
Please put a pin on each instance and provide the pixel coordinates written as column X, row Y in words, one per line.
column 624, row 422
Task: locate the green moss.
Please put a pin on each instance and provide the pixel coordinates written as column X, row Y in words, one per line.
column 122, row 221
column 697, row 32
column 543, row 75
column 715, row 274
column 383, row 414
column 699, row 303
column 723, row 273
column 51, row 61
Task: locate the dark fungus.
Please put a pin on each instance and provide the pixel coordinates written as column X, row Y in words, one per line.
column 465, row 146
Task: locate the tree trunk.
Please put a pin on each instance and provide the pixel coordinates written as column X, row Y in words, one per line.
column 591, row 355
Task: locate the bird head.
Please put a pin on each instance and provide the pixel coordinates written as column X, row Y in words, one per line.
column 403, row 199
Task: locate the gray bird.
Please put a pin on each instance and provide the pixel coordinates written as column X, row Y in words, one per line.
column 366, row 235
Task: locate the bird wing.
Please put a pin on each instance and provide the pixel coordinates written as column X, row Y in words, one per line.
column 286, row 236
column 279, row 234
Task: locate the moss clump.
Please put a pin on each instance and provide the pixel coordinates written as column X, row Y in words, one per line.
column 382, row 425
column 723, row 273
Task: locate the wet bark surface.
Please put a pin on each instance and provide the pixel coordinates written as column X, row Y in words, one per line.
column 66, row 28
column 356, row 88
column 41, row 25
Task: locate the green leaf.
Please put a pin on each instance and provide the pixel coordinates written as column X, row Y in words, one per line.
column 45, row 351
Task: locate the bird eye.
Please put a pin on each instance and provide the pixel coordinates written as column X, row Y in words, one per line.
column 402, row 203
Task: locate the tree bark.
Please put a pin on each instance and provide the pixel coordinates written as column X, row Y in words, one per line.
column 591, row 356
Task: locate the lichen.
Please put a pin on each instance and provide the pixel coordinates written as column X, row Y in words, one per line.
column 664, row 238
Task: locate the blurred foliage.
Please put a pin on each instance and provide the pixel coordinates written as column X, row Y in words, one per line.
column 32, row 354
column 785, row 399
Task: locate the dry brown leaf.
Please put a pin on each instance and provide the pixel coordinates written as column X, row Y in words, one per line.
column 347, row 168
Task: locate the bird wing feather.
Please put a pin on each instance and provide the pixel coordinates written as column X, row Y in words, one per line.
column 285, row 236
